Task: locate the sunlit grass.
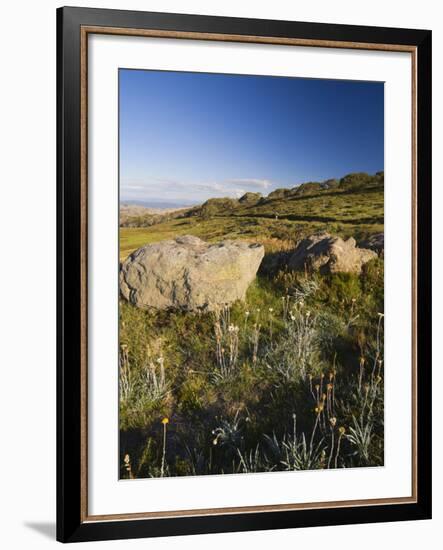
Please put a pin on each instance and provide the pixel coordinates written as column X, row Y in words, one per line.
column 291, row 378
column 230, row 383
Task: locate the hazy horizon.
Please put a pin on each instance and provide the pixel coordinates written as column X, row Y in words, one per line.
column 158, row 203
column 188, row 137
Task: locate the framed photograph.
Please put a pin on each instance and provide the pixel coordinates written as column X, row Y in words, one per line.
column 244, row 274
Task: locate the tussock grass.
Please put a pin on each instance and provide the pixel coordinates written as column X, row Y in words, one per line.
column 290, row 379
column 232, row 383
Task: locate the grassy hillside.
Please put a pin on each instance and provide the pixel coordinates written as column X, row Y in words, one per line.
column 290, row 379
column 351, row 207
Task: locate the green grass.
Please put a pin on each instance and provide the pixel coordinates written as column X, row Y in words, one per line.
column 344, row 212
column 239, row 389
column 199, row 402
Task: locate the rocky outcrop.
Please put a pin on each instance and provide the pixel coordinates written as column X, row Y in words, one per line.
column 329, row 254
column 375, row 242
column 249, row 199
column 189, row 274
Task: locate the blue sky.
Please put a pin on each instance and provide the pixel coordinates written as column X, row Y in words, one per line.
column 186, row 137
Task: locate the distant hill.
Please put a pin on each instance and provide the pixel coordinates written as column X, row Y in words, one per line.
column 277, row 202
column 135, row 215
column 350, row 206
column 158, row 204
column 137, row 209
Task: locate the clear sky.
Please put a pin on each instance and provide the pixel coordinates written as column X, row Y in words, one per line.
column 186, row 137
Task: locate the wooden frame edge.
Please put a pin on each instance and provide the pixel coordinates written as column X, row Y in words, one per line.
column 84, row 273
column 219, row 37
column 204, row 512
column 414, row 249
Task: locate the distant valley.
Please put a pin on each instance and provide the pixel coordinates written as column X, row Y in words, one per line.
column 350, row 206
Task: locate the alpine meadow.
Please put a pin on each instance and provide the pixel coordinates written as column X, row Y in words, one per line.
column 251, row 277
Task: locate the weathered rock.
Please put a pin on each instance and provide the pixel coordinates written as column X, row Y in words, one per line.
column 189, row 274
column 249, row 199
column 375, row 242
column 329, row 254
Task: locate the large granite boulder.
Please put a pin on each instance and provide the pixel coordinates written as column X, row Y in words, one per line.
column 329, row 254
column 189, row 274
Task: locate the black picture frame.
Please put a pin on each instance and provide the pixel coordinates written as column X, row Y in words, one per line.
column 71, row 524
